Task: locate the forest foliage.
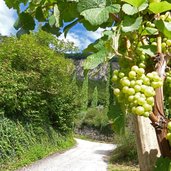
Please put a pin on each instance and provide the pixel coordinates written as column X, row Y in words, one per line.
column 38, row 100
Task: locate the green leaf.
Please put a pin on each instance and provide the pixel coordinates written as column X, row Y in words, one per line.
column 149, row 49
column 89, row 4
column 160, row 7
column 164, row 27
column 52, row 20
column 53, row 29
column 25, row 21
column 115, row 8
column 15, row 3
column 17, row 24
column 163, row 164
column 135, row 3
column 143, row 6
column 131, row 24
column 69, row 26
column 95, row 59
column 72, row 0
column 39, row 14
column 129, row 10
column 96, row 16
column 150, row 31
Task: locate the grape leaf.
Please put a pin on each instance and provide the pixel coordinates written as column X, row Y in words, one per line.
column 69, row 26
column 129, row 10
column 51, row 29
column 113, row 8
column 17, row 24
column 25, row 21
column 163, row 164
column 164, row 27
column 149, row 49
column 135, row 3
column 96, row 16
column 131, row 24
column 52, row 20
column 15, row 3
column 89, row 4
column 95, row 59
column 150, row 31
column 160, row 7
column 39, row 14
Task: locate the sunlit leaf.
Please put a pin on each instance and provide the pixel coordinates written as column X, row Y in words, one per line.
column 131, row 24
column 52, row 20
column 128, row 9
column 149, row 49
column 135, row 3
column 164, row 27
column 149, row 31
column 96, row 16
column 95, row 59
column 90, row 4
column 160, row 7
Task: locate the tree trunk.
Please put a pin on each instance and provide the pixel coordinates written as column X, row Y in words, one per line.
column 147, row 144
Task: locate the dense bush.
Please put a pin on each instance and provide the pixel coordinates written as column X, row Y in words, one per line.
column 36, row 89
column 126, row 149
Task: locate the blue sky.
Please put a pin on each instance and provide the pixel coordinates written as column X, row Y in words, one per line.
column 77, row 34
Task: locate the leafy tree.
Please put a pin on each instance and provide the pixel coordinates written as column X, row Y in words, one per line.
column 95, row 98
column 140, row 36
column 84, row 93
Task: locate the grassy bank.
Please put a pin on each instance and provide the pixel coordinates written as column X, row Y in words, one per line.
column 122, row 167
column 37, row 152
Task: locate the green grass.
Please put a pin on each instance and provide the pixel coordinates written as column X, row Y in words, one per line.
column 122, row 167
column 37, row 152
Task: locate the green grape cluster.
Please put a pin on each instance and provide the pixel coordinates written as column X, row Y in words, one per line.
column 150, row 24
column 137, row 89
column 168, row 78
column 168, row 136
column 166, row 17
column 166, row 45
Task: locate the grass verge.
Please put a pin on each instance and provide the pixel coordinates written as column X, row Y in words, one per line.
column 122, row 167
column 37, row 152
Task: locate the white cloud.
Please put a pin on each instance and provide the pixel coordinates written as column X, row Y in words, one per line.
column 7, row 19
column 81, row 41
column 82, row 38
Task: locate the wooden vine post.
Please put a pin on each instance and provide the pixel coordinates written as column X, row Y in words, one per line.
column 155, row 145
column 160, row 123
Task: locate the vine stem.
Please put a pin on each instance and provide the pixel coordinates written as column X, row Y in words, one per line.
column 159, row 41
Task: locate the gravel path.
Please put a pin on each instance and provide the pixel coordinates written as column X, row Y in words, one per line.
column 86, row 156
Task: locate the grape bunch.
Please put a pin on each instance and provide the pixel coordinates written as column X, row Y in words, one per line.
column 166, row 45
column 137, row 89
column 166, row 17
column 168, row 78
column 168, row 136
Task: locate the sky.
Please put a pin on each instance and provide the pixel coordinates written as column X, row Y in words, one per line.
column 78, row 34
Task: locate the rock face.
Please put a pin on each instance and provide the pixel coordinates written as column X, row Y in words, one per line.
column 94, row 134
column 99, row 73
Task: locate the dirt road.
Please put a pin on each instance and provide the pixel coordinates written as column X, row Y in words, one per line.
column 86, row 156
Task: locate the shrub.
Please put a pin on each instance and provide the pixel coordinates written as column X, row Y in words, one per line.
column 126, row 149
column 36, row 90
